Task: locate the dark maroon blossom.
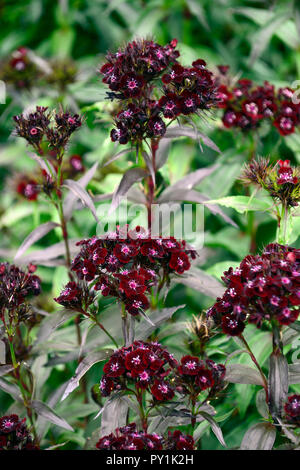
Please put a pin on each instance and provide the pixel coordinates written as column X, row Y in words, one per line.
column 127, row 267
column 144, row 365
column 129, row 438
column 45, row 127
column 178, row 441
column 14, row 434
column 28, row 188
column 16, row 286
column 263, row 287
column 133, row 75
column 247, row 105
column 195, row 375
column 292, row 409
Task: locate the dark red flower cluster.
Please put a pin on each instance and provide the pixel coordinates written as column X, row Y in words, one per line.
column 145, row 365
column 75, row 296
column 129, row 69
column 134, row 123
column 178, row 441
column 187, row 90
column 262, row 288
column 132, row 76
column 246, row 105
column 14, row 434
column 129, row 438
column 56, row 129
column 292, row 409
column 127, row 268
column 16, row 286
column 199, row 374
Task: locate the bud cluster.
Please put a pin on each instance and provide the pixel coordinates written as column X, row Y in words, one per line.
column 55, row 129
column 281, row 180
column 16, row 286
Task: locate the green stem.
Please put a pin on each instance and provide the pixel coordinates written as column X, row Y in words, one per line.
column 253, row 358
column 106, row 332
column 282, row 236
column 16, row 373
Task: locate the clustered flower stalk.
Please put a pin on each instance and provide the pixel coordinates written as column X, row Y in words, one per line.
column 153, row 377
column 127, row 265
column 264, row 289
column 15, row 287
column 282, row 182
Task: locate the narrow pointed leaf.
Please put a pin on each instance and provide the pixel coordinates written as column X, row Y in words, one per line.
column 83, row 367
column 261, row 436
column 5, row 369
column 243, row 374
column 114, row 415
column 184, row 131
column 278, row 383
column 194, row 196
column 71, row 197
column 202, row 282
column 46, row 412
column 242, row 203
column 116, row 156
column 129, row 178
column 44, row 166
column 188, row 182
column 34, row 236
column 162, row 152
column 82, row 194
column 214, row 427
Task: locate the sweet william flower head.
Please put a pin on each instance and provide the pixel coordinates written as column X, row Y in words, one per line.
column 14, row 434
column 264, row 287
column 126, row 266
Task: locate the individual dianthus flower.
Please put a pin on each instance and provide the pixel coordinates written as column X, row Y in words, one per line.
column 129, row 438
column 128, row 268
column 280, row 180
column 263, row 288
column 146, row 366
column 14, row 434
column 16, row 286
column 292, row 409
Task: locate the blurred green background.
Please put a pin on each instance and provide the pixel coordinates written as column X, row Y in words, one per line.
column 259, row 40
